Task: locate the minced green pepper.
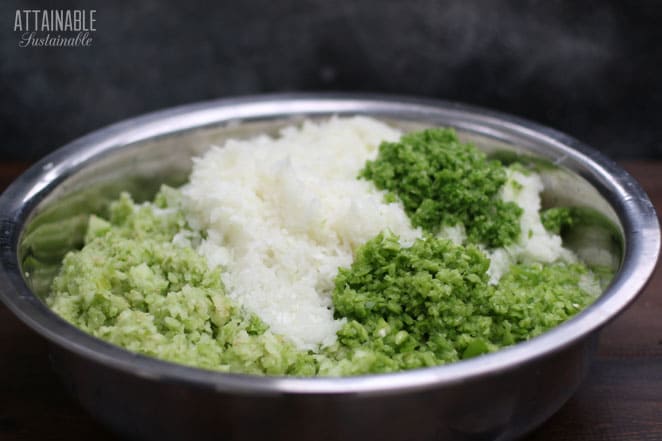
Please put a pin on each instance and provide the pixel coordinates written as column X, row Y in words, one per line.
column 444, row 182
column 431, row 303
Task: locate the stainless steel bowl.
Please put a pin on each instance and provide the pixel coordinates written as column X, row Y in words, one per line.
column 497, row 396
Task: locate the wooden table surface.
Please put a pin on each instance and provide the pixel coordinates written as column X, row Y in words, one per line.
column 620, row 400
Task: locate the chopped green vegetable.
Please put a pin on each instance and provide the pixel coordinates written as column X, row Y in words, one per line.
column 444, row 182
column 556, row 219
column 132, row 286
column 431, row 303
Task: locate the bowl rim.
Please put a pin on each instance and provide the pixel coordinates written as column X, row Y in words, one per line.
column 624, row 194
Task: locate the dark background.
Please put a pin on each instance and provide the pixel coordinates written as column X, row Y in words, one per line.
column 590, row 68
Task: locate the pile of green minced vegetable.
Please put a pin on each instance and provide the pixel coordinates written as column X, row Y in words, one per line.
column 405, row 307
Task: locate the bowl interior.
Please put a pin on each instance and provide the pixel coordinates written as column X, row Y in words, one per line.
column 57, row 223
